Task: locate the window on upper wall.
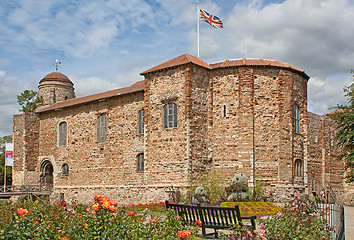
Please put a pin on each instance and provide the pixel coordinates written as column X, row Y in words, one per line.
column 224, row 110
column 62, row 133
column 296, row 118
column 101, row 128
column 141, row 118
column 298, row 168
column 65, row 169
column 140, row 162
column 170, row 115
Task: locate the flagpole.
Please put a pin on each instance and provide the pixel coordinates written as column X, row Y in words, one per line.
column 198, row 27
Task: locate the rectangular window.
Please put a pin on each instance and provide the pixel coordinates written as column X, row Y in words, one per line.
column 224, row 111
column 62, row 133
column 141, row 119
column 101, row 128
column 140, row 162
column 296, row 118
column 170, row 115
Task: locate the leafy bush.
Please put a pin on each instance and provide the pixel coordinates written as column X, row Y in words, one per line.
column 258, row 192
column 300, row 219
column 101, row 220
column 213, row 182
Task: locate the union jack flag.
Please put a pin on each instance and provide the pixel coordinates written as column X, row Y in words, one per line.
column 211, row 19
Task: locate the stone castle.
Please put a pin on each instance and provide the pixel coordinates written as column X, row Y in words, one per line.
column 142, row 143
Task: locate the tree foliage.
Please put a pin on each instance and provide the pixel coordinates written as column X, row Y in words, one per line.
column 344, row 118
column 3, row 141
column 28, row 100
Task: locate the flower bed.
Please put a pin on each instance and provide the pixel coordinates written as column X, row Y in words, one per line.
column 104, row 219
column 101, row 220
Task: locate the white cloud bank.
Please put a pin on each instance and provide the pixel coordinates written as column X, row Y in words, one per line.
column 105, row 44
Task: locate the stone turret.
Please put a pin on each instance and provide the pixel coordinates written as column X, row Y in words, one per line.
column 55, row 87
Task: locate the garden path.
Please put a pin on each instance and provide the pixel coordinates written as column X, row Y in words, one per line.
column 349, row 222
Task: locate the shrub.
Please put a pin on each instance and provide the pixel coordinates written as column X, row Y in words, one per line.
column 213, row 182
column 101, row 220
column 300, row 219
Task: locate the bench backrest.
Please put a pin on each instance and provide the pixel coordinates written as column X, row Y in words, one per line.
column 209, row 215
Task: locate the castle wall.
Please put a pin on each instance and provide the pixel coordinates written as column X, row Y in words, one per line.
column 93, row 163
column 231, row 134
column 198, row 118
column 325, row 170
column 266, row 121
column 25, row 139
column 166, row 149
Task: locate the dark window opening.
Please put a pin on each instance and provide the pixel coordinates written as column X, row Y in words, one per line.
column 65, row 169
column 140, row 162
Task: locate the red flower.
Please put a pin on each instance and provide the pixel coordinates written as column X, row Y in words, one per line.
column 184, row 234
column 95, row 207
column 198, row 222
column 79, row 215
column 64, row 238
column 22, row 211
column 131, row 213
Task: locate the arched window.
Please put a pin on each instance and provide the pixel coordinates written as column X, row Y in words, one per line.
column 65, row 169
column 298, row 168
column 296, row 118
column 170, row 115
column 141, row 118
column 140, row 162
column 101, row 128
column 62, row 133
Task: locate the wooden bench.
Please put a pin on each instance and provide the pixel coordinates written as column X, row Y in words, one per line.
column 211, row 216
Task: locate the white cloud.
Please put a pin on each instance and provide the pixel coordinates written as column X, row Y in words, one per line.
column 105, row 44
column 326, row 93
column 312, row 34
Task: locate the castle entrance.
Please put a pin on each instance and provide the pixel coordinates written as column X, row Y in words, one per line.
column 46, row 177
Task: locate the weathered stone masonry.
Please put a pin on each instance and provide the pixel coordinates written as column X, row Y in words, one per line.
column 235, row 115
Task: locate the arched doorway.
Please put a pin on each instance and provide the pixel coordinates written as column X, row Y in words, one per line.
column 46, row 177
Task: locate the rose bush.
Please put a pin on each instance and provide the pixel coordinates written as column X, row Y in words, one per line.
column 101, row 220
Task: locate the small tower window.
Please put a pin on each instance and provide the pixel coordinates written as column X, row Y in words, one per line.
column 62, row 133
column 298, row 168
column 224, row 111
column 140, row 162
column 101, row 128
column 141, row 118
column 296, row 118
column 65, row 169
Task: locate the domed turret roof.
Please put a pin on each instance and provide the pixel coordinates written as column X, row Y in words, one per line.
column 56, row 76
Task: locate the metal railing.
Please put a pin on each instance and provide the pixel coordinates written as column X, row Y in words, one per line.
column 331, row 211
column 334, row 215
column 24, row 189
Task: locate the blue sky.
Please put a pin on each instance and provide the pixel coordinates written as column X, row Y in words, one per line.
column 106, row 44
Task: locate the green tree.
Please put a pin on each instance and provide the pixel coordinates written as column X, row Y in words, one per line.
column 344, row 118
column 3, row 141
column 28, row 100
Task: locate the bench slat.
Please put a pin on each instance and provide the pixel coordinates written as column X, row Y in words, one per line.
column 210, row 216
